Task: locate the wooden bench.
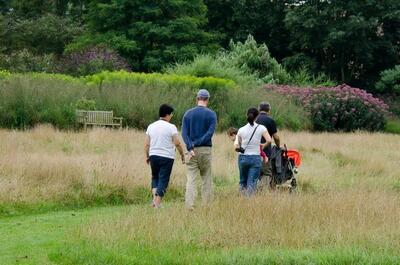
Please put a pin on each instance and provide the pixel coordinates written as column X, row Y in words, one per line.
column 97, row 118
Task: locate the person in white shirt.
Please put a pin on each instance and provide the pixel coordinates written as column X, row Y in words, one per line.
column 161, row 140
column 247, row 143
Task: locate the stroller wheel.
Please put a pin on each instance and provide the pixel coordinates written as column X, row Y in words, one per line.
column 293, row 185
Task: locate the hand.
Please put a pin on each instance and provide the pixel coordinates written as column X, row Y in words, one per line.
column 183, row 159
column 191, row 154
column 148, row 160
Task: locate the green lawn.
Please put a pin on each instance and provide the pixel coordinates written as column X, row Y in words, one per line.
column 29, row 239
column 49, row 239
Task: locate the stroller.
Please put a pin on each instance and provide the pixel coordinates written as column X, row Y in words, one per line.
column 284, row 165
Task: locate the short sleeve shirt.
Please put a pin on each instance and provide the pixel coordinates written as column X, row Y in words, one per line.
column 270, row 124
column 252, row 146
column 161, row 139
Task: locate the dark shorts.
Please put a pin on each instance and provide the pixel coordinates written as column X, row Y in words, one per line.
column 161, row 168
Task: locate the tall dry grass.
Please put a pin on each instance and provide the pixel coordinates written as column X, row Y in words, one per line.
column 367, row 220
column 44, row 164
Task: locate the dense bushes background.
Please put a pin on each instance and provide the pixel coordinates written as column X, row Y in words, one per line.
column 339, row 108
column 349, row 41
column 30, row 99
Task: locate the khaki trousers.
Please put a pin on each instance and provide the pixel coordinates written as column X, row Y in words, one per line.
column 200, row 164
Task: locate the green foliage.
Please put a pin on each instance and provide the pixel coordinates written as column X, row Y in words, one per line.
column 209, row 66
column 45, row 34
column 150, row 34
column 285, row 112
column 254, row 58
column 85, row 104
column 340, row 108
column 4, row 74
column 236, row 19
column 330, row 113
column 30, row 99
column 389, row 81
column 393, row 126
column 24, row 61
column 304, row 78
column 351, row 41
column 92, row 60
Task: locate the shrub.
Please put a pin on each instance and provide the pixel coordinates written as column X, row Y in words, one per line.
column 339, row 108
column 208, row 65
column 389, row 81
column 92, row 60
column 254, row 58
column 30, row 99
column 24, row 61
column 248, row 64
column 4, row 74
column 393, row 126
column 303, row 77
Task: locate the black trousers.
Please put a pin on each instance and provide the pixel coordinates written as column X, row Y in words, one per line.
column 161, row 168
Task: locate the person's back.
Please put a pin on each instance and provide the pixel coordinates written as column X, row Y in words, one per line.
column 161, row 140
column 270, row 124
column 161, row 143
column 264, row 119
column 198, row 126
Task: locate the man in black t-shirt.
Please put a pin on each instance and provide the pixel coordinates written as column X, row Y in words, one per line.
column 264, row 119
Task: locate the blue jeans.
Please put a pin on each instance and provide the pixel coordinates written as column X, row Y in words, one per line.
column 249, row 169
column 161, row 168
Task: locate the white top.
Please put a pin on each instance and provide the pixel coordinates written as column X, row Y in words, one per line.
column 245, row 132
column 161, row 143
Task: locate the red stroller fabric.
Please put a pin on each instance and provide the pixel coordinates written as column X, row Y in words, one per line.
column 295, row 155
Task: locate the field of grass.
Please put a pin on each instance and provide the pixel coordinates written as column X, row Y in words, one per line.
column 347, row 209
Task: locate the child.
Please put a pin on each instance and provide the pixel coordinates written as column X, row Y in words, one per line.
column 232, row 134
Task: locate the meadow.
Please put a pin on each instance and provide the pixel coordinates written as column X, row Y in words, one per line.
column 82, row 198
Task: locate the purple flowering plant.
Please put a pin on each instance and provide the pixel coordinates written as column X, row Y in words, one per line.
column 339, row 108
column 93, row 60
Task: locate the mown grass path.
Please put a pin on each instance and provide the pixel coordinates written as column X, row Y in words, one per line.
column 29, row 239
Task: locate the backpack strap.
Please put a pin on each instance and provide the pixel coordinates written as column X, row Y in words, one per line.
column 251, row 137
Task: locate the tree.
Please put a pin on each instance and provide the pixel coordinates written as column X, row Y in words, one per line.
column 352, row 41
column 149, row 33
column 236, row 19
column 45, row 34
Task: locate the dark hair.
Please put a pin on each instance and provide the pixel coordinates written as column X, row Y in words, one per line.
column 165, row 110
column 264, row 106
column 232, row 131
column 203, row 98
column 252, row 114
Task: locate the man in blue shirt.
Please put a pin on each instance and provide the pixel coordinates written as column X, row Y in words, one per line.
column 198, row 128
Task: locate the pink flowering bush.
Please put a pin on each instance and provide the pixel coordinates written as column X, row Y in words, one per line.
column 340, row 108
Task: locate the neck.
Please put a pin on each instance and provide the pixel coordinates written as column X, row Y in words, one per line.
column 164, row 119
column 201, row 104
column 264, row 112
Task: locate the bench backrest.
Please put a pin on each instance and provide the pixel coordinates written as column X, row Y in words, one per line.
column 96, row 117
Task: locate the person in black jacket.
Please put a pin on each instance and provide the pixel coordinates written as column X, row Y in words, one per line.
column 265, row 119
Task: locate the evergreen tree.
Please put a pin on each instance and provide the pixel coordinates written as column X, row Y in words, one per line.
column 150, row 33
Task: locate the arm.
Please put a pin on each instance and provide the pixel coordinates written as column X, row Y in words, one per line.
column 147, row 148
column 277, row 140
column 267, row 139
column 185, row 133
column 178, row 146
column 210, row 132
column 237, row 142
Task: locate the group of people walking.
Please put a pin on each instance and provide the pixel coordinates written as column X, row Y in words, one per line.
column 252, row 141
